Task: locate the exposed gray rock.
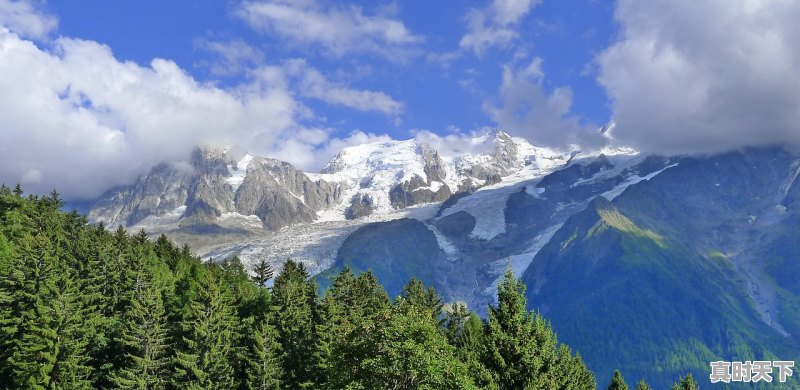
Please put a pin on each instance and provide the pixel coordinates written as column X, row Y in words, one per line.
column 434, row 166
column 274, row 191
column 163, row 190
column 360, row 206
column 416, row 191
column 210, row 195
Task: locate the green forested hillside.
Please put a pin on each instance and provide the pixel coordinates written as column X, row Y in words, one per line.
column 636, row 298
column 82, row 307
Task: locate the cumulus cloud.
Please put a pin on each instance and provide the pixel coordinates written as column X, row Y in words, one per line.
column 704, row 76
column 312, row 83
column 495, row 24
column 339, row 29
column 77, row 119
column 526, row 109
column 26, row 18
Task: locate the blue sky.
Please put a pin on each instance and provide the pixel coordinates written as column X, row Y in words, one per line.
column 436, row 93
column 95, row 93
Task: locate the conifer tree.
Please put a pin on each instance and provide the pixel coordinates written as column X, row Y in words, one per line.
column 8, row 325
column 412, row 353
column 294, row 298
column 205, row 358
column 465, row 331
column 522, row 350
column 415, row 293
column 261, row 356
column 263, row 272
column 144, row 337
column 352, row 304
column 48, row 349
column 166, row 251
column 617, row 382
column 686, row 383
column 642, row 385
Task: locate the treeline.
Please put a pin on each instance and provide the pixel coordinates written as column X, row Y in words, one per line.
column 83, row 307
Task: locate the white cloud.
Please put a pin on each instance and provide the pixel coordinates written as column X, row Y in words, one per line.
column 704, row 76
column 339, row 29
column 25, row 18
column 455, row 144
column 526, row 109
column 313, row 84
column 232, row 57
column 495, row 25
column 77, row 119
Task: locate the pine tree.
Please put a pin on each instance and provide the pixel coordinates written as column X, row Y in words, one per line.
column 642, row 385
column 686, row 383
column 48, row 348
column 522, row 350
column 572, row 372
column 261, row 356
column 205, row 358
column 8, row 324
column 294, row 297
column 465, row 331
column 352, row 304
column 263, row 272
column 617, row 382
column 415, row 293
column 145, row 338
column 411, row 353
column 166, row 251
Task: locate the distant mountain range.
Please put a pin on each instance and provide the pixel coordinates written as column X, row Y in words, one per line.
column 656, row 265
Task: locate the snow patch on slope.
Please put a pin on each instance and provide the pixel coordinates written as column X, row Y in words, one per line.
column 172, row 217
column 444, row 243
column 520, row 262
column 631, row 180
column 238, row 172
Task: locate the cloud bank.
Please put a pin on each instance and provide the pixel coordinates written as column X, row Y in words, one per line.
column 704, row 76
column 77, row 119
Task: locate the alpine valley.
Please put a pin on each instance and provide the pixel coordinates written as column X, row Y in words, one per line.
column 655, row 265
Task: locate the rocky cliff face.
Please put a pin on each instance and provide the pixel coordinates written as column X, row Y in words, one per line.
column 215, row 188
column 165, row 189
column 280, row 195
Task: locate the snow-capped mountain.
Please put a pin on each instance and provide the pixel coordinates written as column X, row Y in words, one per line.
column 384, row 176
column 220, row 188
column 590, row 234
